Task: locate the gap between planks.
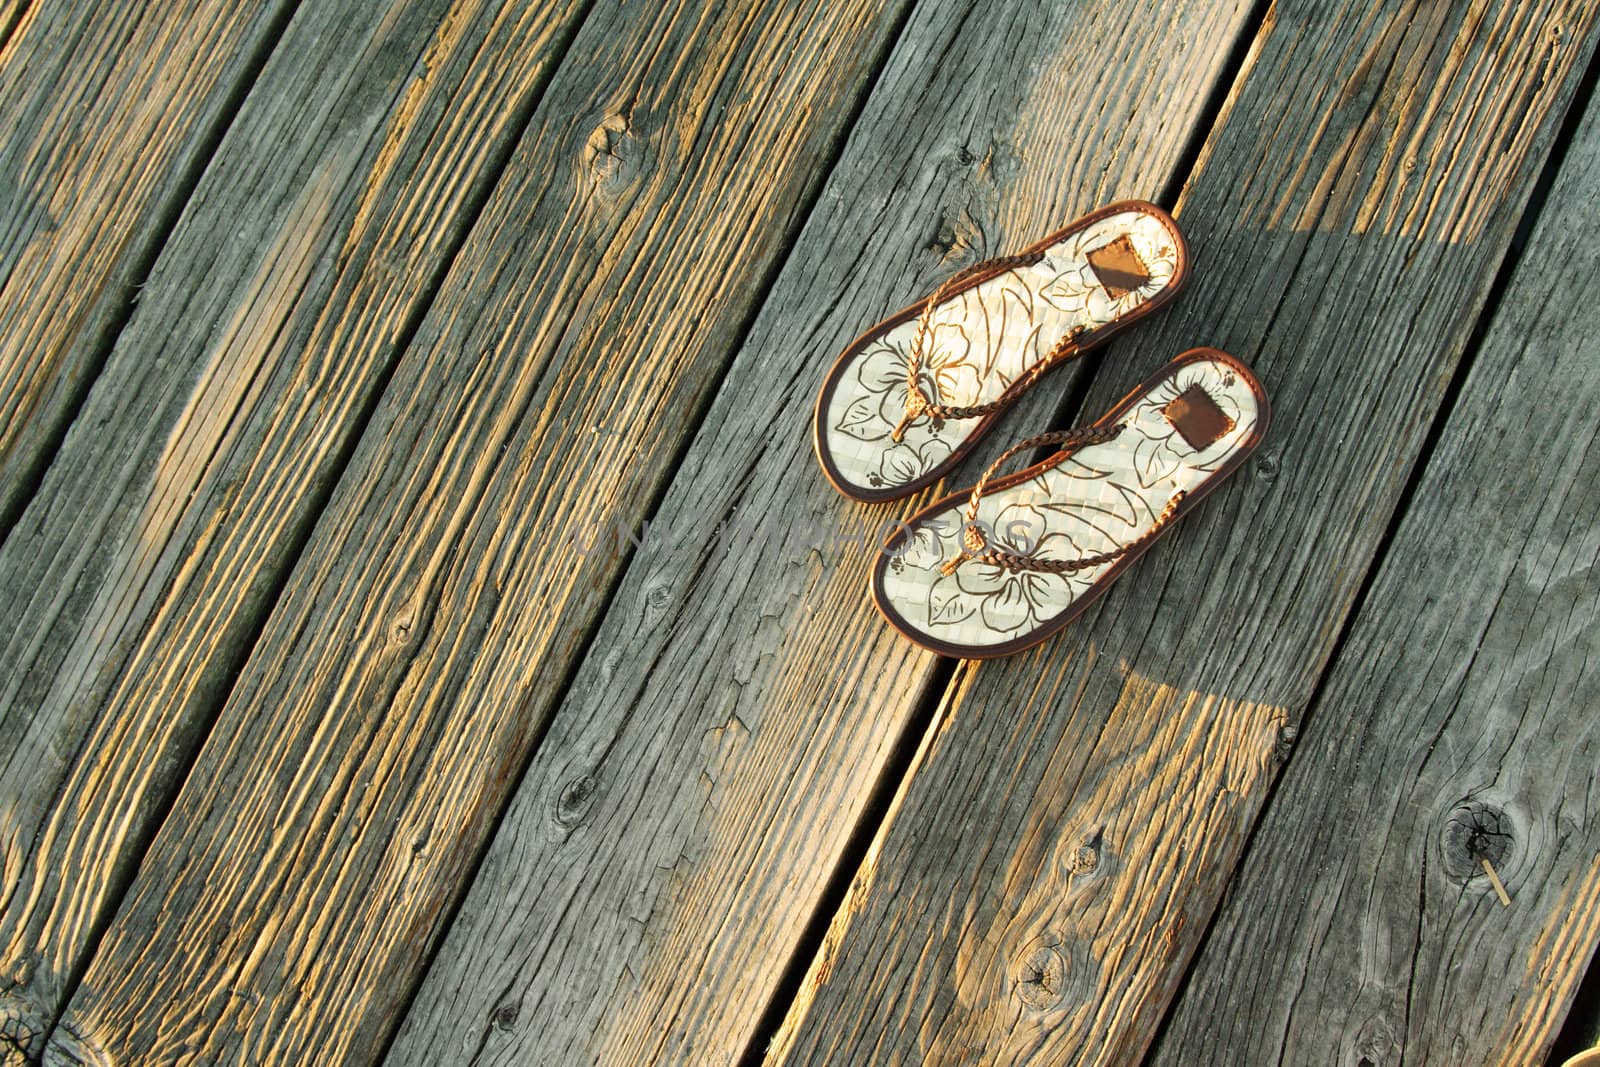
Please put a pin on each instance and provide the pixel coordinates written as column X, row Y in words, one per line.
column 1318, row 214
column 1581, row 99
column 409, row 622
column 830, row 159
column 1040, row 195
column 1577, row 1031
column 946, row 678
column 372, row 234
column 522, row 112
column 10, row 17
column 48, row 433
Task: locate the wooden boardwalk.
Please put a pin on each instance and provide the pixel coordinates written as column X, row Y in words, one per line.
column 348, row 349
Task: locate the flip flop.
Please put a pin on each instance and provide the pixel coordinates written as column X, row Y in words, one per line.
column 980, row 341
column 999, row 568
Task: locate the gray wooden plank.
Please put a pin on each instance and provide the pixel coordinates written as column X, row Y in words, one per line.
column 1075, row 812
column 101, row 103
column 332, row 814
column 684, row 814
column 1460, row 722
column 143, row 568
column 11, row 13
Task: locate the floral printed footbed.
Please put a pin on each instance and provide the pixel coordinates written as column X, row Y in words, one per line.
column 981, row 341
column 1204, row 412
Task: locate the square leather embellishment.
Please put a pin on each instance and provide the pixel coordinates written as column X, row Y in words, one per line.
column 1118, row 267
column 1197, row 418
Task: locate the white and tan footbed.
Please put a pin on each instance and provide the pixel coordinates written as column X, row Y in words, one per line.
column 1183, row 430
column 1097, row 275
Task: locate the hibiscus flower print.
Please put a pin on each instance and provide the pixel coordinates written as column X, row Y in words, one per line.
column 923, row 547
column 906, row 461
column 1005, row 600
column 1087, row 507
column 1160, row 448
column 947, row 375
column 981, row 345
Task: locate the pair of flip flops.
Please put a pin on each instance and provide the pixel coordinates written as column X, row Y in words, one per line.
column 1004, row 565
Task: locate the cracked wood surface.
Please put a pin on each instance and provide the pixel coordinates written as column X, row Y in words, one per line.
column 335, row 809
column 139, row 575
column 668, row 845
column 102, row 102
column 1050, row 863
column 1458, row 724
column 407, row 635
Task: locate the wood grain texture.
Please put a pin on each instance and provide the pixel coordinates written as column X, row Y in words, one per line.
column 1458, row 724
column 11, row 12
column 101, row 104
column 1070, row 823
column 333, row 813
column 678, row 823
column 143, row 568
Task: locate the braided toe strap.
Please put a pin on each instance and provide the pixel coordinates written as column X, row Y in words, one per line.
column 975, row 539
column 918, row 403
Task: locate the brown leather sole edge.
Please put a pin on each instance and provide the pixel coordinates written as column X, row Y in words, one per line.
column 1180, row 275
column 1054, row 625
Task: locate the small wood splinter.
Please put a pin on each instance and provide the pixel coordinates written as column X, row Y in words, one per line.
column 1494, row 880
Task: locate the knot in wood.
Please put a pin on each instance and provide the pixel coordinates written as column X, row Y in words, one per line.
column 610, row 153
column 944, row 239
column 658, row 600
column 1085, row 859
column 1284, row 743
column 402, row 626
column 574, row 800
column 1374, row 1043
column 1051, row 972
column 1040, row 978
column 504, row 1016
column 22, row 1030
column 1476, row 831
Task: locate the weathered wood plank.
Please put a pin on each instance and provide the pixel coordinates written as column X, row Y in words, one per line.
column 11, row 13
column 102, row 102
column 1073, row 817
column 334, row 811
column 143, row 568
column 1458, row 724
column 690, row 802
